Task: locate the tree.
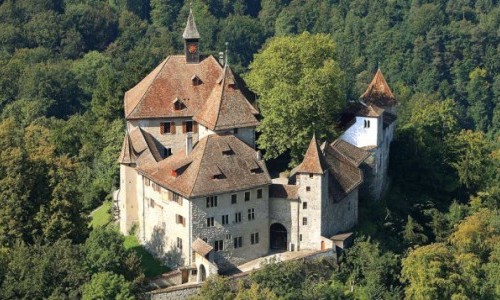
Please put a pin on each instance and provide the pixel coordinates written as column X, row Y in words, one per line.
column 164, row 12
column 298, row 84
column 412, row 234
column 107, row 285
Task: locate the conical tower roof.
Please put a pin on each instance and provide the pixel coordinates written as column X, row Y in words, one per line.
column 191, row 32
column 379, row 92
column 314, row 161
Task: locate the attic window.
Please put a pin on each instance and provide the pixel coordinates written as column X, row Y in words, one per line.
column 219, row 176
column 256, row 170
column 227, row 152
column 178, row 105
column 232, row 86
column 196, row 80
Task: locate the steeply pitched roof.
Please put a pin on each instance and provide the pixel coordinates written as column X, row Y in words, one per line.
column 313, row 161
column 153, row 96
column 127, row 154
column 191, row 32
column 210, row 168
column 285, row 191
column 343, row 161
column 226, row 107
column 378, row 92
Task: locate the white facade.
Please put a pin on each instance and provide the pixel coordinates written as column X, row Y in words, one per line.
column 366, row 131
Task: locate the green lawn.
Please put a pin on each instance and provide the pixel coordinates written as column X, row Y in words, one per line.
column 102, row 217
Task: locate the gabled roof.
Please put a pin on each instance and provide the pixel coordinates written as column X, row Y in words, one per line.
column 343, row 161
column 191, row 32
column 195, row 172
column 152, row 97
column 378, row 92
column 313, row 161
column 227, row 107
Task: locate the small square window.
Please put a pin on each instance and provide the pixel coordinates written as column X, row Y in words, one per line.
column 210, row 222
column 311, row 175
column 304, row 205
column 304, row 221
column 235, row 131
column 189, row 126
column 165, row 127
column 308, row 188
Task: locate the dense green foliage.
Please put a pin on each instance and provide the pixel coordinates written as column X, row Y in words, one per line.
column 65, row 65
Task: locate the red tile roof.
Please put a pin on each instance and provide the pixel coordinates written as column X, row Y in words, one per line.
column 209, row 169
column 227, row 107
column 379, row 92
column 153, row 96
column 313, row 161
column 199, row 246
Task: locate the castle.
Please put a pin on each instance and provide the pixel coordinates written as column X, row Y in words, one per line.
column 197, row 192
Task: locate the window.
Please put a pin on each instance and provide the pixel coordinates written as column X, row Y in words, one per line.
column 308, row 188
column 237, row 217
column 194, row 271
column 304, row 205
column 210, row 222
column 151, row 203
column 175, row 197
column 234, row 198
column 188, row 126
column 180, row 220
column 367, row 123
column 235, row 131
column 212, row 201
column 259, row 194
column 304, row 221
column 311, row 175
column 251, row 214
column 254, row 238
column 300, row 237
column 228, row 236
column 247, row 196
column 225, row 219
column 178, row 105
column 179, row 243
column 167, row 152
column 219, row 245
column 147, row 182
column 167, row 127
column 238, row 242
column 205, row 240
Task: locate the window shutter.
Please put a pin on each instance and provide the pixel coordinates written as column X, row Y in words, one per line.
column 172, row 127
column 183, row 126
column 195, row 127
column 162, row 128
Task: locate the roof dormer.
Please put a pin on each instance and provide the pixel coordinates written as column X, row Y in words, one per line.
column 178, row 104
column 196, row 80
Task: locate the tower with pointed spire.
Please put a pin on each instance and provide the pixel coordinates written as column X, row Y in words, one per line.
column 191, row 38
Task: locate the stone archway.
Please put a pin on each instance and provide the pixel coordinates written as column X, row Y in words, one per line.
column 278, row 237
column 202, row 273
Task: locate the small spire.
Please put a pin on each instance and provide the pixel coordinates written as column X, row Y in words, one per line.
column 191, row 32
column 378, row 65
column 227, row 54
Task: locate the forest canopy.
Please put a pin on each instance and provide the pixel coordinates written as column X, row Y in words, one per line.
column 65, row 66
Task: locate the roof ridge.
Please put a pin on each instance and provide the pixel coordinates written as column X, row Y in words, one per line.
column 221, row 95
column 150, row 85
column 199, row 164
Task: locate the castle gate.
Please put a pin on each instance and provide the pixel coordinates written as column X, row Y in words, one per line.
column 278, row 236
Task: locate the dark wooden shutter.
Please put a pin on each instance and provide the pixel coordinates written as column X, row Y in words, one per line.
column 195, row 127
column 172, row 127
column 162, row 128
column 183, row 126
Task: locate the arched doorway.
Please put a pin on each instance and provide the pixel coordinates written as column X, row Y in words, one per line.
column 278, row 237
column 202, row 274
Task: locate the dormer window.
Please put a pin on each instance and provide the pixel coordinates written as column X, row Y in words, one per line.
column 219, row 176
column 178, row 105
column 196, row 80
column 232, row 86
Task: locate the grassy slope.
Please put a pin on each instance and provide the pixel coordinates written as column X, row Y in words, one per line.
column 102, row 217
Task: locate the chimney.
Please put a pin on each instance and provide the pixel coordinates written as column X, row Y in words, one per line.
column 259, row 155
column 189, row 143
column 221, row 58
